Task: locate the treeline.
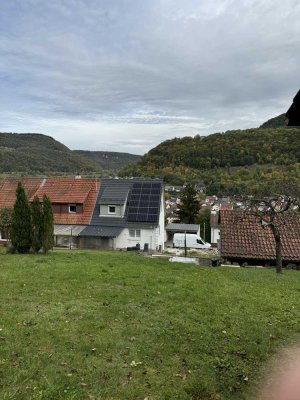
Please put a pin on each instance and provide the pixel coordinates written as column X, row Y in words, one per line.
column 36, row 154
column 230, row 162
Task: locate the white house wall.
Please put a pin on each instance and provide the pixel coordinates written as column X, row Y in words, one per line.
column 215, row 235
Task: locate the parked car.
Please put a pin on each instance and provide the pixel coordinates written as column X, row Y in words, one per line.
column 193, row 241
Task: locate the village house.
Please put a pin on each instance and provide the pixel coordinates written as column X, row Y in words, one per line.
column 94, row 214
column 73, row 200
column 244, row 239
column 8, row 187
column 128, row 213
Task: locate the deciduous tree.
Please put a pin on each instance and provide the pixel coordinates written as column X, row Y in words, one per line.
column 37, row 224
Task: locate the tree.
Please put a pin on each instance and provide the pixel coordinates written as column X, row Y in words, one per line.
column 6, row 218
column 37, row 224
column 204, row 221
column 21, row 222
column 271, row 211
column 189, row 205
column 47, row 226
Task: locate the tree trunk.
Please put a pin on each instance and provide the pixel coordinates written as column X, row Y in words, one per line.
column 278, row 248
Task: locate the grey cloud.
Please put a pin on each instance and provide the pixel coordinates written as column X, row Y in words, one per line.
column 160, row 66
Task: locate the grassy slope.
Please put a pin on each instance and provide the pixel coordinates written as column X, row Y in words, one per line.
column 73, row 323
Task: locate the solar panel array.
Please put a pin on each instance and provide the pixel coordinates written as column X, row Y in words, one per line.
column 144, row 202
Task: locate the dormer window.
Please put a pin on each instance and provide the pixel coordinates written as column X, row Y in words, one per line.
column 72, row 208
column 111, row 209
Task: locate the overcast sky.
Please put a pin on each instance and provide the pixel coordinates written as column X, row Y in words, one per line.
column 124, row 75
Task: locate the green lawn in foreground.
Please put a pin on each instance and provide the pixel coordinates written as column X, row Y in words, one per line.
column 115, row 325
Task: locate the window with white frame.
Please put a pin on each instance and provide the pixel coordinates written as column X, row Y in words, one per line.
column 111, row 209
column 72, row 208
column 135, row 233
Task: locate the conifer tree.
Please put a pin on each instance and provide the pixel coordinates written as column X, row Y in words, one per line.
column 21, row 223
column 189, row 207
column 37, row 224
column 47, row 237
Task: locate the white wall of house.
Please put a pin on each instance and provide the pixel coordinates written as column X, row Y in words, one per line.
column 155, row 237
column 215, row 235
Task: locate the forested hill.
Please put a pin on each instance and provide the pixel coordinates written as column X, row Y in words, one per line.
column 276, row 122
column 109, row 160
column 234, row 160
column 34, row 154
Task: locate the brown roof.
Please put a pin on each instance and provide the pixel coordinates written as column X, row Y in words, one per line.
column 70, row 191
column 8, row 187
column 242, row 236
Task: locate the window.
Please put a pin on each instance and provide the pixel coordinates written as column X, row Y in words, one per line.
column 3, row 235
column 72, row 208
column 111, row 209
column 199, row 241
column 134, row 233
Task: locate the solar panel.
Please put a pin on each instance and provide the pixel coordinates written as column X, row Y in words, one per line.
column 144, row 202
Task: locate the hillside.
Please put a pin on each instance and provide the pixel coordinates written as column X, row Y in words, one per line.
column 35, row 154
column 230, row 162
column 277, row 122
column 108, row 160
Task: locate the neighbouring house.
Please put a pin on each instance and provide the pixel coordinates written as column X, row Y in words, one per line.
column 73, row 200
column 215, row 227
column 8, row 187
column 127, row 213
column 245, row 239
column 171, row 229
column 94, row 214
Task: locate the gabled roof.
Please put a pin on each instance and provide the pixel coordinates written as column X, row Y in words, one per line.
column 65, row 190
column 8, row 187
column 124, row 186
column 114, row 194
column 243, row 236
column 71, row 191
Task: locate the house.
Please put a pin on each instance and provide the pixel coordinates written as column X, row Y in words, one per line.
column 73, row 200
column 8, row 187
column 245, row 239
column 94, row 214
column 172, row 228
column 215, row 227
column 127, row 213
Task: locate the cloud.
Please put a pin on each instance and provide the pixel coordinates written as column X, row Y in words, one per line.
column 125, row 75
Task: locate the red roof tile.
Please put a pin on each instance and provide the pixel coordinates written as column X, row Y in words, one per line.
column 70, row 191
column 8, row 187
column 242, row 236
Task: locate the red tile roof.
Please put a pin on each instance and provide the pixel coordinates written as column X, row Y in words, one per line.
column 242, row 236
column 60, row 191
column 8, row 187
column 70, row 191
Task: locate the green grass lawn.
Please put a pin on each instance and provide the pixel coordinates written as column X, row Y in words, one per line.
column 114, row 325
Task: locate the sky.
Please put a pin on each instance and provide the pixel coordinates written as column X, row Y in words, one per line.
column 125, row 75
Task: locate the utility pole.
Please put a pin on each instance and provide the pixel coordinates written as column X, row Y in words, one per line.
column 185, row 244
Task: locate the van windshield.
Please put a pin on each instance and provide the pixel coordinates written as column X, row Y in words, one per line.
column 199, row 241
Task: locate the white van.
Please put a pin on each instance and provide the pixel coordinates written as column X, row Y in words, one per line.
column 192, row 241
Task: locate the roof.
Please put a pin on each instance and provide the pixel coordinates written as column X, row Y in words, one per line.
column 68, row 230
column 124, row 186
column 65, row 190
column 101, row 231
column 242, row 236
column 8, row 187
column 70, row 191
column 182, row 227
column 114, row 195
